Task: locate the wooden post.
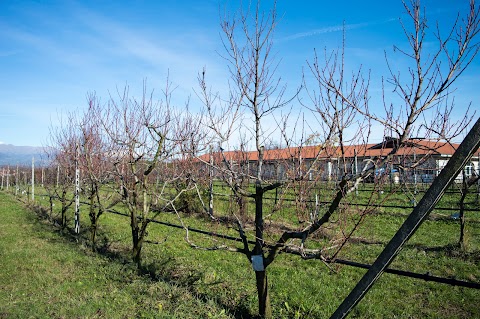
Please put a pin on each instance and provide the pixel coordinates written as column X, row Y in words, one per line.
column 58, row 175
column 276, row 195
column 314, row 215
column 16, row 182
column 33, row 179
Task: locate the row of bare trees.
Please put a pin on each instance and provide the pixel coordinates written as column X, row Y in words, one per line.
column 339, row 103
column 146, row 155
column 131, row 154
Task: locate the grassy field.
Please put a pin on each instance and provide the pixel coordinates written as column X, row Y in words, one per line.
column 44, row 274
column 181, row 282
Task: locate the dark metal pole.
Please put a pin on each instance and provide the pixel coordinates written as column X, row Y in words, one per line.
column 458, row 161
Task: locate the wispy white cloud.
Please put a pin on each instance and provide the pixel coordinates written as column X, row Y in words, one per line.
column 335, row 28
column 52, row 50
column 112, row 52
column 157, row 49
column 8, row 53
column 329, row 29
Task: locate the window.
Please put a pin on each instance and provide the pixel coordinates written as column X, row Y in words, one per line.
column 468, row 170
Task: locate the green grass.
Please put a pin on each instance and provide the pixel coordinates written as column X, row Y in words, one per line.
column 44, row 275
column 223, row 283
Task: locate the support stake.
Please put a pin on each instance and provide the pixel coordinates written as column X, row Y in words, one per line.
column 460, row 158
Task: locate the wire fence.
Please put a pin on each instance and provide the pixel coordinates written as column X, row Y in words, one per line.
column 421, row 276
column 24, row 187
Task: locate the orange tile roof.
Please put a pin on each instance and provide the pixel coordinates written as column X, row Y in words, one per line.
column 414, row 146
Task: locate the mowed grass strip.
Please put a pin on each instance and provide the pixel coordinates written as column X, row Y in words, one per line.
column 43, row 275
column 192, row 283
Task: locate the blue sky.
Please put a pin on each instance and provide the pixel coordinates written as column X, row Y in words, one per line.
column 52, row 53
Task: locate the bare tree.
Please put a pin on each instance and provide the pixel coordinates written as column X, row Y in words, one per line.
column 94, row 164
column 339, row 102
column 255, row 94
column 62, row 155
column 142, row 135
column 466, row 184
column 426, row 88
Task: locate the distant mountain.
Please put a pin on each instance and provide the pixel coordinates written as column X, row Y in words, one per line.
column 20, row 155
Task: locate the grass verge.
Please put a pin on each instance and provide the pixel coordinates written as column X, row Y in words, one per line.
column 188, row 283
column 44, row 275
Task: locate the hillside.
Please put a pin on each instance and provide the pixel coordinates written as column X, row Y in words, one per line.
column 20, row 155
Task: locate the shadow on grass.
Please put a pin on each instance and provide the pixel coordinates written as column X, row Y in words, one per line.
column 169, row 271
column 450, row 250
column 165, row 269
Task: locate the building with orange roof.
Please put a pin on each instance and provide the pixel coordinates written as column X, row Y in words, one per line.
column 418, row 160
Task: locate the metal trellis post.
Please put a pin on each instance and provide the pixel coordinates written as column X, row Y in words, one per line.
column 457, row 162
column 77, row 193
